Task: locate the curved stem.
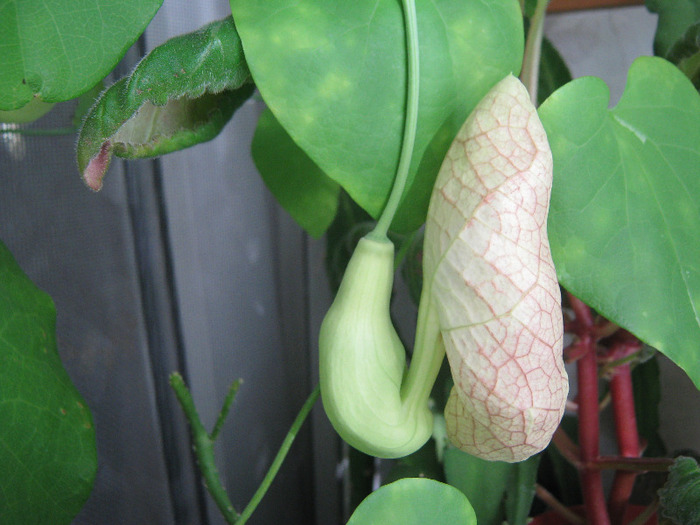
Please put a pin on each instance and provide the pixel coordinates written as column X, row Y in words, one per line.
column 530, row 72
column 410, row 124
column 279, row 458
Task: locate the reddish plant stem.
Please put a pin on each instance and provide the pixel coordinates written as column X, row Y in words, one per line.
column 589, row 424
column 627, row 440
column 589, row 429
column 633, row 464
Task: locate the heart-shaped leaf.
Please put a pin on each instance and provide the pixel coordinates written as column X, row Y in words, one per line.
column 48, row 458
column 298, row 184
column 625, row 209
column 181, row 94
column 414, row 501
column 58, row 50
column 334, row 74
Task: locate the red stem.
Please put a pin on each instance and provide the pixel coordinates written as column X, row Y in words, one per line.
column 589, row 424
column 589, row 427
column 627, row 440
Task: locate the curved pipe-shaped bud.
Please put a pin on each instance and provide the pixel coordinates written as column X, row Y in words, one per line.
column 363, row 363
column 493, row 280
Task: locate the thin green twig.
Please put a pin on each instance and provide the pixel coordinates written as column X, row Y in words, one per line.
column 232, row 391
column 279, row 458
column 411, row 122
column 204, row 450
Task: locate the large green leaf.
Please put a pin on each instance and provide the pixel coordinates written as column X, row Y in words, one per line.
column 414, row 501
column 675, row 16
column 299, row 185
column 625, row 208
column 48, row 457
column 181, row 94
column 57, row 50
column 334, row 74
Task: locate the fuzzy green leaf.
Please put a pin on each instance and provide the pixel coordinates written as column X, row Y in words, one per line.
column 181, row 94
column 57, row 50
column 297, row 183
column 680, row 497
column 625, row 206
column 48, row 458
column 334, row 74
column 414, row 501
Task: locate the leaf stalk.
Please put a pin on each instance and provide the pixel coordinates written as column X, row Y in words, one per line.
column 411, row 122
column 530, row 73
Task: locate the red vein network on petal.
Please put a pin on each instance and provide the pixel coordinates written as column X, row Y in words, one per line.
column 494, row 282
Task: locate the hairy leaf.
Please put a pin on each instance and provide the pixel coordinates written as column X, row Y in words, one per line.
column 48, row 458
column 626, row 204
column 297, row 183
column 334, row 74
column 680, row 497
column 57, row 50
column 493, row 283
column 414, row 501
column 181, row 94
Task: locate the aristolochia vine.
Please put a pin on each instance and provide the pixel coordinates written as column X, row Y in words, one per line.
column 490, row 299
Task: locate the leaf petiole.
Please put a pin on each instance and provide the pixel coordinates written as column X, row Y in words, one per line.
column 529, row 74
column 411, row 122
